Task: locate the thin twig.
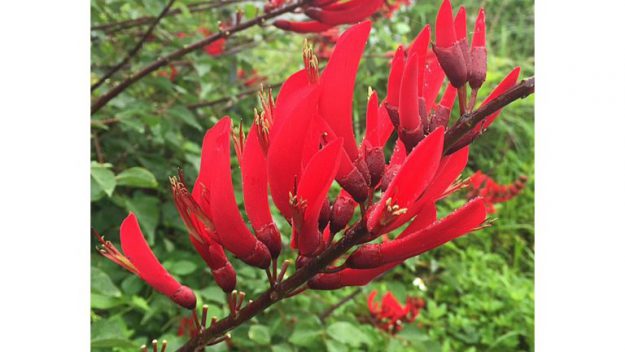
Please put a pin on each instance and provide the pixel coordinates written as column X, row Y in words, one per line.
column 98, row 148
column 136, row 48
column 326, row 313
column 468, row 121
column 108, row 96
column 114, row 27
column 204, row 104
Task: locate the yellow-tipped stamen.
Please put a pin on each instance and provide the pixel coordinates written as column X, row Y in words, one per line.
column 204, row 315
column 154, row 345
column 164, row 347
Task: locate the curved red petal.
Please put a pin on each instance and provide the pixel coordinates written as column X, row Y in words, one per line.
column 284, row 157
column 337, row 84
column 348, row 277
column 302, row 27
column 426, row 217
column 292, row 91
column 150, row 269
column 352, row 12
column 479, row 32
column 412, row 179
column 432, row 80
column 371, row 129
column 229, row 225
column 445, row 30
column 460, row 24
column 394, row 77
column 385, row 126
column 409, row 118
column 449, row 97
column 313, row 188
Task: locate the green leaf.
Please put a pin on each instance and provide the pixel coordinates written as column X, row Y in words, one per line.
column 349, row 334
column 259, row 334
column 101, row 283
column 184, row 114
column 136, row 177
column 146, row 208
column 304, row 337
column 335, row 346
column 103, row 177
column 109, row 333
column 180, row 267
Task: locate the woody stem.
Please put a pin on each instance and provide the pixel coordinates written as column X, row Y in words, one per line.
column 164, row 60
column 278, row 292
column 468, row 121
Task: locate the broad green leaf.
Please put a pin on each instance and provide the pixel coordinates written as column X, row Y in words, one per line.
column 109, row 333
column 146, row 208
column 101, row 283
column 184, row 114
column 348, row 333
column 180, row 267
column 136, row 177
column 259, row 334
column 104, row 178
column 304, row 337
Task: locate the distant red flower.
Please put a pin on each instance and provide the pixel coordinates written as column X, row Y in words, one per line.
column 393, row 6
column 139, row 260
column 326, row 14
column 170, row 74
column 390, row 314
column 187, row 327
column 481, row 185
column 215, row 48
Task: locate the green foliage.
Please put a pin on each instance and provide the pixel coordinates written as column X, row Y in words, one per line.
column 479, row 288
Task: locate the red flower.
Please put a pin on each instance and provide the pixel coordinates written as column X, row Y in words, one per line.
column 481, row 185
column 390, row 314
column 250, row 78
column 326, row 14
column 139, row 260
column 171, row 74
column 215, row 48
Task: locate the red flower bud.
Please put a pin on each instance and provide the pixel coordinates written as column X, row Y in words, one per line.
column 349, row 12
column 302, row 27
column 342, row 212
column 477, row 66
column 447, row 48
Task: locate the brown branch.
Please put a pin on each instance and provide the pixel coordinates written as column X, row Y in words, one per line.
column 98, row 148
column 326, row 313
column 280, row 291
column 108, row 96
column 111, row 28
column 454, row 136
column 135, row 49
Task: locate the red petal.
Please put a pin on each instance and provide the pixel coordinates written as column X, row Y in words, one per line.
column 337, row 84
column 420, row 47
column 432, row 80
column 460, row 24
column 150, row 269
column 409, row 118
column 254, row 180
column 371, row 131
column 449, row 97
column 293, row 90
column 348, row 277
column 394, row 77
column 445, row 31
column 374, row 307
column 448, row 171
column 352, row 12
column 302, row 27
column 479, row 33
column 414, row 176
column 508, row 82
column 313, row 187
column 229, row 225
column 426, row 217
column 458, row 223
column 284, row 158
column 385, row 126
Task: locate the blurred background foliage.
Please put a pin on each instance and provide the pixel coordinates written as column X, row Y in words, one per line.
column 478, row 290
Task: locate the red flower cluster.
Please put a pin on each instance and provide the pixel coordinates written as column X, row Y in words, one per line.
column 481, row 185
column 325, row 14
column 297, row 147
column 392, row 6
column 215, row 48
column 390, row 315
column 170, row 74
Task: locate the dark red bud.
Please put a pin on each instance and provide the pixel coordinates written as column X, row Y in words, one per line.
column 452, row 62
column 325, row 282
column 477, row 68
column 270, row 236
column 393, row 114
column 342, row 213
column 440, row 117
column 361, row 165
column 259, row 257
column 225, row 277
column 389, row 175
column 375, row 163
column 324, row 215
column 411, row 138
column 355, row 184
column 466, row 53
column 301, row 261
